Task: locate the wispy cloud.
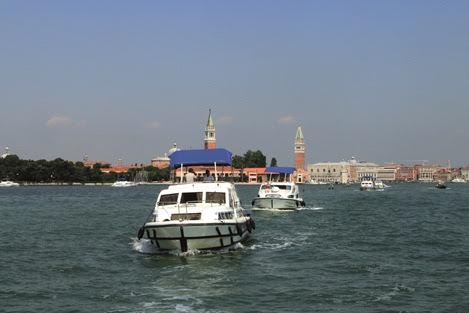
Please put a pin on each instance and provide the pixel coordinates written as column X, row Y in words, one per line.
column 224, row 120
column 59, row 121
column 287, row 120
column 152, row 125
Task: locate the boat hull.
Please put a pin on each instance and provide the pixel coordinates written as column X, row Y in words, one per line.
column 370, row 189
column 187, row 235
column 277, row 203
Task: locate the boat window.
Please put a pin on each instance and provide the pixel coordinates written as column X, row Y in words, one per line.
column 168, row 199
column 191, row 197
column 215, row 197
column 283, row 187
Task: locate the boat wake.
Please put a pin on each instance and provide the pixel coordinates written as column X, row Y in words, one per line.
column 397, row 290
column 272, row 246
column 311, row 209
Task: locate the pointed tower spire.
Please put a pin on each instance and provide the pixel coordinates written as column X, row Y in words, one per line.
column 210, row 141
column 299, row 134
column 299, row 150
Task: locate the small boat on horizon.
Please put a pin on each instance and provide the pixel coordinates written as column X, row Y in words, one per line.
column 8, row 183
column 122, row 182
column 441, row 185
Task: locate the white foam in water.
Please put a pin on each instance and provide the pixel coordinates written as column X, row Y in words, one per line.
column 183, row 308
column 311, row 209
column 144, row 246
column 395, row 291
column 272, row 246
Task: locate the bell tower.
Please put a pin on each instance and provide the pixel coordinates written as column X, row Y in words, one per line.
column 210, row 141
column 299, row 150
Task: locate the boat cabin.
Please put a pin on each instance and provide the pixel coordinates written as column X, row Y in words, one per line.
column 213, row 193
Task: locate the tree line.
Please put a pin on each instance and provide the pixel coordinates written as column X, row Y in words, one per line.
column 63, row 171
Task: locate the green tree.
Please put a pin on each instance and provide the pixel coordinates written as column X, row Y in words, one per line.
column 254, row 159
column 238, row 161
column 273, row 162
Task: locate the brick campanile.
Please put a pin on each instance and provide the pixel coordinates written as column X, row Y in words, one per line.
column 210, row 141
column 299, row 150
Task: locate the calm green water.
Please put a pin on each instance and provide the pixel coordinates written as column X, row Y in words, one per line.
column 72, row 249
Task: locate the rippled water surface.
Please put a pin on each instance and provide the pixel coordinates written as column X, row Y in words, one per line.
column 73, row 249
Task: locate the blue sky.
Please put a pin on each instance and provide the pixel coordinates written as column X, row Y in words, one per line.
column 380, row 80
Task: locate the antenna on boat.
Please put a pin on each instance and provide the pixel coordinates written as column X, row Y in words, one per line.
column 216, row 174
column 182, row 173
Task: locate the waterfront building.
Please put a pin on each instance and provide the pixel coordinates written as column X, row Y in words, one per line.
column 443, row 174
column 90, row 163
column 367, row 169
column 255, row 174
column 330, row 172
column 163, row 161
column 351, row 171
column 210, row 141
column 406, row 173
column 426, row 173
column 388, row 172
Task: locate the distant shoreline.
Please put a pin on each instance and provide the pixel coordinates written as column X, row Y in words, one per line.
column 107, row 184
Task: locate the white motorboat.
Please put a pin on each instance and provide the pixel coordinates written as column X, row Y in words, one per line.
column 8, row 183
column 369, row 184
column 275, row 195
column 198, row 215
column 124, row 183
column 458, row 180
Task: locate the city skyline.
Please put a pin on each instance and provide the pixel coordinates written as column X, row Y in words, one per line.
column 382, row 82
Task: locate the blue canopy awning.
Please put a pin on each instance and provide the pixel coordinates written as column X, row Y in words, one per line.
column 279, row 170
column 200, row 157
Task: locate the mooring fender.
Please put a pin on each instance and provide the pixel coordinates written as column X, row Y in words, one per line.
column 248, row 225
column 140, row 233
column 253, row 224
column 239, row 230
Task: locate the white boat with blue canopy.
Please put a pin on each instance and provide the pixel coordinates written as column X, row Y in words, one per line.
column 280, row 192
column 197, row 215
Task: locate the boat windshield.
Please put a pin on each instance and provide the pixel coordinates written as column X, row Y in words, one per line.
column 215, row 197
column 191, row 197
column 281, row 187
column 168, row 199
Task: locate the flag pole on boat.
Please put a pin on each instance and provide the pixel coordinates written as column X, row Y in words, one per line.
column 216, row 174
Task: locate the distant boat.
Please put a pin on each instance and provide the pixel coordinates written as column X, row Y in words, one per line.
column 8, row 183
column 441, row 185
column 124, row 183
column 369, row 183
column 458, row 180
column 275, row 195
